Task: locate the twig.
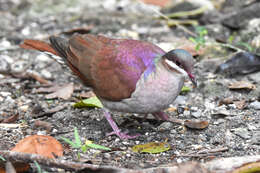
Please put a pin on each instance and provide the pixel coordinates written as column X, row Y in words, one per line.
column 58, row 163
column 206, row 152
column 188, row 13
column 168, row 19
column 230, row 46
column 179, row 23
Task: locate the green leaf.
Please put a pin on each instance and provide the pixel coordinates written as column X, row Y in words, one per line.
column 2, row 158
column 197, row 47
column 185, row 89
column 192, row 39
column 230, row 39
column 71, row 143
column 246, row 45
column 90, row 102
column 84, row 148
column 77, row 138
column 96, row 146
column 90, row 144
column 152, row 147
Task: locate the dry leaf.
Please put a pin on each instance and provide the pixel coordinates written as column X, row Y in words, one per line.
column 171, row 109
column 64, row 91
column 46, row 146
column 152, row 147
column 82, row 30
column 242, row 85
column 87, row 94
column 43, row 124
column 38, row 78
column 11, row 119
column 194, row 124
column 253, row 167
column 226, row 101
column 240, row 104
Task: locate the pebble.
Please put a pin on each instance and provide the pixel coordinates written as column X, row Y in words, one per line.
column 180, row 100
column 186, row 113
column 194, row 109
column 43, row 58
column 107, row 155
column 24, row 108
column 4, row 65
column 241, row 132
column 255, row 105
column 221, row 113
column 196, row 114
column 9, row 100
column 46, row 74
column 5, row 94
column 4, row 43
column 165, row 126
column 256, row 138
column 18, row 66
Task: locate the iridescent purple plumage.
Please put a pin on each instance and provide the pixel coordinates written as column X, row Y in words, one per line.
column 138, row 57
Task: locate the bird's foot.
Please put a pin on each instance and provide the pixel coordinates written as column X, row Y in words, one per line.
column 122, row 135
column 116, row 130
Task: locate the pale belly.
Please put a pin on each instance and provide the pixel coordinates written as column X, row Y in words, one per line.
column 155, row 93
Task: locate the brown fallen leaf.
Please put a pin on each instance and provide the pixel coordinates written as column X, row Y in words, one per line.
column 11, row 119
column 87, row 94
column 195, row 124
column 242, row 85
column 226, row 101
column 40, row 79
column 43, row 124
column 171, row 109
column 252, row 167
column 82, row 30
column 46, row 146
column 40, row 112
column 240, row 104
column 16, row 167
column 64, row 91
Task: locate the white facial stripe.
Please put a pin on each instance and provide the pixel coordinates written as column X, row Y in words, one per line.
column 174, row 66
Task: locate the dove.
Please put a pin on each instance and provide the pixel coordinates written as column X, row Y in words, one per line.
column 129, row 76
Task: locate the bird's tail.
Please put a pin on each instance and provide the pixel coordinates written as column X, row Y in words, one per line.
column 56, row 50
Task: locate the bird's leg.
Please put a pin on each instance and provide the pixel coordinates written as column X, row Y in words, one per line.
column 115, row 128
column 161, row 115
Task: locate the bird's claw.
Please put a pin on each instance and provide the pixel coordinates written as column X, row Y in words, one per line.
column 122, row 135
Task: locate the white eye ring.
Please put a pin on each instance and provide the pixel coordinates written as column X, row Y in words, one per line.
column 174, row 66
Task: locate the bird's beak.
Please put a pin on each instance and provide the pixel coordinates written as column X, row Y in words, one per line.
column 193, row 79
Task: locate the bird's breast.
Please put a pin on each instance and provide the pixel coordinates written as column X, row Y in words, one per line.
column 152, row 94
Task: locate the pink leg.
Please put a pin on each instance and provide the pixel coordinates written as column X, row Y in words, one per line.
column 115, row 128
column 161, row 115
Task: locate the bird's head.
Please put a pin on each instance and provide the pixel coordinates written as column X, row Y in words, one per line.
column 181, row 61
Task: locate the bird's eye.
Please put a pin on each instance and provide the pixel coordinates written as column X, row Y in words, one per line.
column 178, row 63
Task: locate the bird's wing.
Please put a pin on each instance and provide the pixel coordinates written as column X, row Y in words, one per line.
column 112, row 66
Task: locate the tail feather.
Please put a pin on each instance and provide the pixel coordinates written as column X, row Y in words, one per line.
column 38, row 45
column 60, row 45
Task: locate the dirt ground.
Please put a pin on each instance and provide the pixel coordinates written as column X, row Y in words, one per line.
column 234, row 126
